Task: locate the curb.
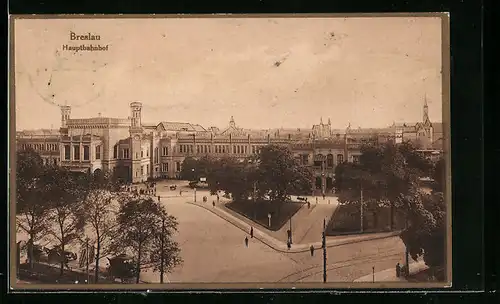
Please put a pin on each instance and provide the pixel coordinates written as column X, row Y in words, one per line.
column 275, row 247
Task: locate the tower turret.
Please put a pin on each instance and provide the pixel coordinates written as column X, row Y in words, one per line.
column 136, row 108
column 65, row 115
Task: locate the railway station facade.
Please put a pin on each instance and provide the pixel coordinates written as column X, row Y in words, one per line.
column 137, row 151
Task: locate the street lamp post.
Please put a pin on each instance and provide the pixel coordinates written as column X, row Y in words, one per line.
column 291, row 231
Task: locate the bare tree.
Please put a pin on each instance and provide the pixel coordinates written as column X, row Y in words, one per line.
column 67, row 217
column 165, row 251
column 100, row 212
column 32, row 210
column 140, row 220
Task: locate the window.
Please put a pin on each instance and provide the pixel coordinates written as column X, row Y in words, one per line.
column 97, row 152
column 126, row 153
column 147, row 169
column 305, row 159
column 165, row 151
column 86, row 152
column 147, row 152
column 246, row 149
column 142, row 153
column 137, row 154
column 155, row 155
column 164, row 167
column 340, row 158
column 115, row 151
column 355, row 159
column 76, row 152
column 178, row 166
column 329, row 160
column 67, row 152
column 191, row 148
column 142, row 170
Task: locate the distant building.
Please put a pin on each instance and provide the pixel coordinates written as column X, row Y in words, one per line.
column 137, row 151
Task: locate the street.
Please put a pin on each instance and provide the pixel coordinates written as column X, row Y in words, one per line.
column 214, row 250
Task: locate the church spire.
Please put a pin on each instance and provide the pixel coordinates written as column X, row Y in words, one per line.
column 329, row 122
column 321, row 120
column 426, row 111
column 231, row 122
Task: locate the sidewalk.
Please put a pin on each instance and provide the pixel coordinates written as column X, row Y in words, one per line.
column 263, row 236
column 389, row 275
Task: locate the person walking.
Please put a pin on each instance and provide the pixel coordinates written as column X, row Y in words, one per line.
column 312, row 250
column 213, row 203
column 251, row 232
column 246, row 241
column 316, row 200
column 288, row 244
column 158, row 198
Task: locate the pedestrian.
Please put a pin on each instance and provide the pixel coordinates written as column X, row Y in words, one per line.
column 158, row 198
column 312, row 250
column 308, row 205
column 288, row 245
column 251, row 232
column 316, row 200
column 213, row 203
column 398, row 270
column 180, row 192
column 246, row 241
column 324, row 196
column 218, row 198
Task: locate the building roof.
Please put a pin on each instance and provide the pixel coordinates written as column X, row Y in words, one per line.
column 39, row 132
column 181, row 126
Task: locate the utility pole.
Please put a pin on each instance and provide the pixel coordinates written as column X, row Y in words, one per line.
column 161, row 249
column 88, row 256
column 407, row 259
column 324, row 250
column 254, row 201
column 361, row 203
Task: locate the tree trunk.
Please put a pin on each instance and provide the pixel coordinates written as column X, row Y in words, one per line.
column 138, row 268
column 97, row 257
column 63, row 258
column 30, row 251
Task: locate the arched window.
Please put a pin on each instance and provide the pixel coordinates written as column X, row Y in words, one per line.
column 329, row 160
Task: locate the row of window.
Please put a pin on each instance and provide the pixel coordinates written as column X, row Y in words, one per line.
column 77, row 153
column 164, row 167
column 238, row 149
column 40, row 147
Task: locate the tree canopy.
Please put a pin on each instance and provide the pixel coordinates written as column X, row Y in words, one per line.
column 273, row 173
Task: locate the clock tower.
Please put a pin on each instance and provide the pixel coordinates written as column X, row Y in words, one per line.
column 136, row 135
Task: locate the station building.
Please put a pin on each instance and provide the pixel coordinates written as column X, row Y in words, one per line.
column 137, row 151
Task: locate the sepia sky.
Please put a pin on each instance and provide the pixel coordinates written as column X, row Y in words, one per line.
column 365, row 71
